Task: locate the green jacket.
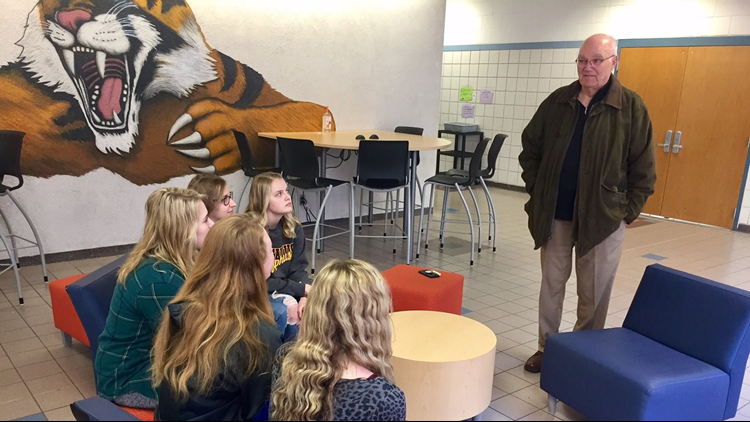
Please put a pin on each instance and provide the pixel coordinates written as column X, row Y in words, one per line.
column 123, row 360
column 617, row 171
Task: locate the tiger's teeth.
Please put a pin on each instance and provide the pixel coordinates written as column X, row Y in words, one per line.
column 117, row 119
column 101, row 62
column 96, row 118
column 70, row 60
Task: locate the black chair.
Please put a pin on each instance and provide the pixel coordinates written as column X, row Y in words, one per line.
column 448, row 182
column 11, row 143
column 248, row 163
column 300, row 169
column 497, row 144
column 382, row 166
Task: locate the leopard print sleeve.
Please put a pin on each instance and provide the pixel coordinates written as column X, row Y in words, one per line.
column 369, row 400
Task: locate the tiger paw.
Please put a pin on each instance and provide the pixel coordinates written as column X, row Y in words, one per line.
column 211, row 138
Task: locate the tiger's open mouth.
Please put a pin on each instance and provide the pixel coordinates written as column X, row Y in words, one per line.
column 104, row 84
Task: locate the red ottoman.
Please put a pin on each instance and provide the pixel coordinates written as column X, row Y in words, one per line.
column 64, row 314
column 412, row 291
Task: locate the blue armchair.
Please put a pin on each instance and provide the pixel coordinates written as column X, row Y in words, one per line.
column 91, row 297
column 681, row 354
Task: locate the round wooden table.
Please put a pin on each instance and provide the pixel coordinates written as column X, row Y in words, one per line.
column 444, row 363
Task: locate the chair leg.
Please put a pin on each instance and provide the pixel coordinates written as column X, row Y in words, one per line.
column 388, row 214
column 317, row 227
column 351, row 220
column 479, row 218
column 421, row 220
column 36, row 236
column 471, row 223
column 446, row 192
column 429, row 217
column 242, row 195
column 67, row 340
column 493, row 216
column 361, row 204
column 14, row 246
column 15, row 269
column 421, row 203
column 406, row 191
column 551, row 404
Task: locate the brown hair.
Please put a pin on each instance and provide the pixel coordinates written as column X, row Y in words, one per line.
column 210, row 185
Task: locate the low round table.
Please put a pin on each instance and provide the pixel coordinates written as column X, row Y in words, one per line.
column 444, row 363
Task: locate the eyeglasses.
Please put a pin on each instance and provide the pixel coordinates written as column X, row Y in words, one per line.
column 227, row 199
column 594, row 62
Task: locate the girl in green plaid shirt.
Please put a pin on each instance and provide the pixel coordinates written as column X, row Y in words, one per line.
column 176, row 225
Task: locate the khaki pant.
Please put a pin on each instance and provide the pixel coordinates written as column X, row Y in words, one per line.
column 595, row 272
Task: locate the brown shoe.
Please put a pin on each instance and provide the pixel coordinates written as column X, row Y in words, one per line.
column 534, row 364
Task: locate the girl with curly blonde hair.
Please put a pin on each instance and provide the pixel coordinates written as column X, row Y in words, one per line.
column 339, row 368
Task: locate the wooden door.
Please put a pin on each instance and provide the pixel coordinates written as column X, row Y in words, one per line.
column 705, row 175
column 656, row 74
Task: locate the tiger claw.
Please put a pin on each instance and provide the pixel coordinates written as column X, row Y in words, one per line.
column 180, row 123
column 202, row 153
column 194, row 139
column 204, row 170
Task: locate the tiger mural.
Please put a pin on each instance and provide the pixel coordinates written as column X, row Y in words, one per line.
column 132, row 86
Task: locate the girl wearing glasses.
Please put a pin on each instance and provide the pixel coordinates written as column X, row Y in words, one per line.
column 214, row 350
column 176, row 225
column 289, row 282
column 219, row 200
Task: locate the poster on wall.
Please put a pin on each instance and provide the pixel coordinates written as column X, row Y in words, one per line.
column 467, row 111
column 134, row 87
column 466, row 94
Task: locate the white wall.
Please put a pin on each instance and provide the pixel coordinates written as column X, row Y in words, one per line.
column 376, row 64
column 522, row 78
column 514, row 21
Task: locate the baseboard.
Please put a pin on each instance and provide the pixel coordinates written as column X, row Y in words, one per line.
column 72, row 255
column 506, row 186
column 744, row 228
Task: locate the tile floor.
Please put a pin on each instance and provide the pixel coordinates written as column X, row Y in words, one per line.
column 38, row 374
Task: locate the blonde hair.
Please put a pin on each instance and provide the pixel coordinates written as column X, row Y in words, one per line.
column 224, row 299
column 169, row 232
column 346, row 320
column 260, row 198
column 210, row 185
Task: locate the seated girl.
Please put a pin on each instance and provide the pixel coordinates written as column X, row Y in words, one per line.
column 289, row 282
column 339, row 367
column 176, row 225
column 214, row 350
column 218, row 199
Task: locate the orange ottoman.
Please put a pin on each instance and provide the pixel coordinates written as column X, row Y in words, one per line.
column 64, row 314
column 412, row 291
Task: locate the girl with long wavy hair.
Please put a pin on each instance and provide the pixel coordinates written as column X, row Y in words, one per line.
column 339, row 367
column 214, row 349
column 218, row 198
column 289, row 283
column 176, row 226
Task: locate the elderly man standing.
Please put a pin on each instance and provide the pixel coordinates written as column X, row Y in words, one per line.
column 588, row 164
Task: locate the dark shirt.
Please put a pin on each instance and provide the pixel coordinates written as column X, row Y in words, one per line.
column 234, row 396
column 289, row 274
column 566, row 193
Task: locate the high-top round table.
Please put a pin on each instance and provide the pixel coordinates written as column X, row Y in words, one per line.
column 347, row 140
column 444, row 363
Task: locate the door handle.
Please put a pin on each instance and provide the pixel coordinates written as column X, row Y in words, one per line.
column 677, row 143
column 667, row 141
